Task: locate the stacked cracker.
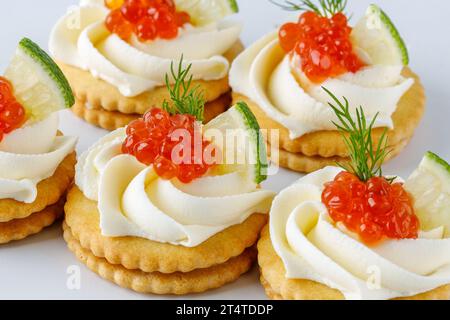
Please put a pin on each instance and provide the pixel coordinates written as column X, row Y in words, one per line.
column 19, row 220
column 152, row 267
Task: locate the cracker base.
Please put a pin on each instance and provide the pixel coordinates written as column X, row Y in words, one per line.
column 19, row 229
column 305, row 164
column 177, row 283
column 83, row 218
column 111, row 120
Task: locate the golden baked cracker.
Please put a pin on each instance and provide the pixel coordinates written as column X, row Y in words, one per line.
column 441, row 293
column 137, row 253
column 49, row 192
column 111, row 120
column 330, row 143
column 177, row 283
column 277, row 286
column 19, row 229
column 100, row 94
column 268, row 289
column 301, row 163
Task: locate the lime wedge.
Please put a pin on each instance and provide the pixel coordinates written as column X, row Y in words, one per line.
column 204, row 12
column 378, row 37
column 430, row 187
column 39, row 84
column 243, row 147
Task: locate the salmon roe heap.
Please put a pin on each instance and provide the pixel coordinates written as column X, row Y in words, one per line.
column 12, row 113
column 147, row 19
column 372, row 209
column 152, row 141
column 323, row 45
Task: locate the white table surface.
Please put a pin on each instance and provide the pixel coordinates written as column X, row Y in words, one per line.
column 37, row 268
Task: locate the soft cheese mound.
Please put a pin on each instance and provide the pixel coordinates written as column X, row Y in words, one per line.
column 274, row 80
column 134, row 201
column 81, row 39
column 29, row 155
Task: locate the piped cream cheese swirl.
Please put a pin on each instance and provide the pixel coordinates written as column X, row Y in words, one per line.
column 312, row 247
column 134, row 201
column 29, row 155
column 81, row 39
column 273, row 80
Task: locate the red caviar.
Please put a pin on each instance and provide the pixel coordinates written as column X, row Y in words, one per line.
column 322, row 43
column 153, row 139
column 12, row 113
column 372, row 209
column 148, row 19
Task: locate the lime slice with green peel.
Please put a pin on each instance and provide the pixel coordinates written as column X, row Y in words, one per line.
column 204, row 12
column 377, row 36
column 238, row 135
column 39, row 84
column 430, row 187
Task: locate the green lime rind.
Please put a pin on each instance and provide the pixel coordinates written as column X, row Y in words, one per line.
column 430, row 156
column 32, row 50
column 387, row 22
column 429, row 186
column 254, row 130
column 233, row 6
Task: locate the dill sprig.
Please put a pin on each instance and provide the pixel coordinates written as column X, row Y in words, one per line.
column 325, row 8
column 183, row 98
column 366, row 158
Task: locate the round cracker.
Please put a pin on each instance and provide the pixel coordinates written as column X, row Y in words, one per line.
column 100, row 94
column 49, row 192
column 330, row 143
column 111, row 120
column 177, row 283
column 278, row 287
column 82, row 217
column 19, row 229
column 301, row 163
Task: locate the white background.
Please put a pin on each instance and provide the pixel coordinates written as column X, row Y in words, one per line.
column 36, row 268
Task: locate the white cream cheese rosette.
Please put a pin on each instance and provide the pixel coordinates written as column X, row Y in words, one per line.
column 312, row 247
column 29, row 155
column 81, row 39
column 134, row 201
column 271, row 78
